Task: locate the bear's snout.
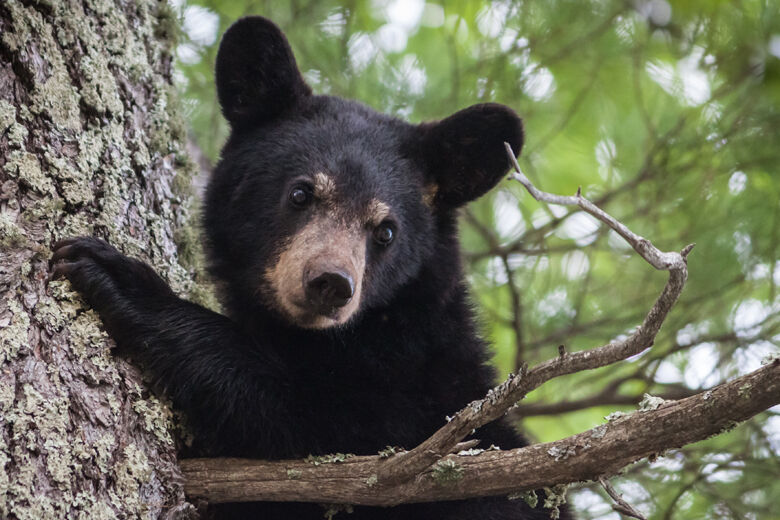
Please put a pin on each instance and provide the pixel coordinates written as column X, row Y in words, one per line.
column 328, row 288
column 318, row 277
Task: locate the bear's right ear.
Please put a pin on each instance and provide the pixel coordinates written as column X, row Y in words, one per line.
column 257, row 77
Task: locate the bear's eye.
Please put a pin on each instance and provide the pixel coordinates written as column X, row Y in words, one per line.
column 300, row 196
column 384, row 234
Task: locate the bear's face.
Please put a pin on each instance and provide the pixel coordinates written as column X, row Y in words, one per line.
column 333, row 215
column 321, row 207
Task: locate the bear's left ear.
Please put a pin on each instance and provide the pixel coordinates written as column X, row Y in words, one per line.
column 257, row 77
column 464, row 154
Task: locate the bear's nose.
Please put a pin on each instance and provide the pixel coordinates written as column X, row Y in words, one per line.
column 329, row 290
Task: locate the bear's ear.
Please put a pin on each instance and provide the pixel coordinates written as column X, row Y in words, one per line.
column 257, row 77
column 464, row 154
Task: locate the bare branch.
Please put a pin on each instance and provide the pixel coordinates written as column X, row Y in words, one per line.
column 621, row 506
column 586, row 456
column 660, row 260
column 515, row 388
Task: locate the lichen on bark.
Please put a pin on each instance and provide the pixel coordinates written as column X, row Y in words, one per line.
column 91, row 143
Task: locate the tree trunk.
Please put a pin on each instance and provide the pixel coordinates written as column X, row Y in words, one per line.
column 90, row 144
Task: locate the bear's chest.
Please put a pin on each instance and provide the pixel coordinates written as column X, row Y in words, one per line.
column 365, row 407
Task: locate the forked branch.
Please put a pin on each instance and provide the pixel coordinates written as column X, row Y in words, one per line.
column 601, row 451
column 517, row 386
column 658, row 259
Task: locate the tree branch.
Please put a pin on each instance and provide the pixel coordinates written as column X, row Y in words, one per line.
column 601, row 451
column 515, row 388
column 656, row 258
column 620, row 505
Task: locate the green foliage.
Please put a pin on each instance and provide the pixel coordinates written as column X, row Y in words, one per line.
column 667, row 115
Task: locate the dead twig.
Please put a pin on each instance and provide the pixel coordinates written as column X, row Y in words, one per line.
column 517, row 386
column 658, row 259
column 620, row 505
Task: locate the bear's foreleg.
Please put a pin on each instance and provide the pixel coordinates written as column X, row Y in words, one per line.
column 233, row 392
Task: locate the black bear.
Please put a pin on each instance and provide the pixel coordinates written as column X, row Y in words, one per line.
column 331, row 230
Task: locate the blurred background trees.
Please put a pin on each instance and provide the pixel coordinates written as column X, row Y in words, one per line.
column 666, row 113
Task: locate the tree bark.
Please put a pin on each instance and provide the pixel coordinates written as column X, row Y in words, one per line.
column 90, row 144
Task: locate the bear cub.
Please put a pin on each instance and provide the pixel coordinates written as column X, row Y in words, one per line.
column 331, row 231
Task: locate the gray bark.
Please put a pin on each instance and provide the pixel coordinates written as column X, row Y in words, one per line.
column 90, row 144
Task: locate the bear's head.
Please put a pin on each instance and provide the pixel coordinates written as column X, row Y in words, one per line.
column 321, row 208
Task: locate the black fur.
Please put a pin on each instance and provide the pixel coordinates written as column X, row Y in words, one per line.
column 465, row 153
column 255, row 66
column 254, row 385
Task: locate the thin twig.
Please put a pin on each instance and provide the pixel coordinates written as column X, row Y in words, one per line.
column 516, row 387
column 620, row 505
column 660, row 260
